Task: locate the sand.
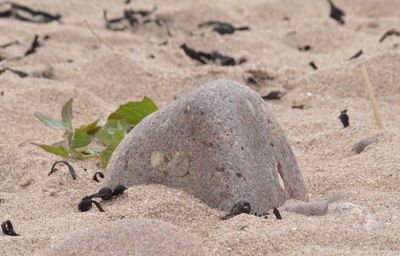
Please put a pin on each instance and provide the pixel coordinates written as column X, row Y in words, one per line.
column 100, row 78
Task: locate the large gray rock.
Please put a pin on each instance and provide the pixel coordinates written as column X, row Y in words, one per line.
column 218, row 143
column 128, row 237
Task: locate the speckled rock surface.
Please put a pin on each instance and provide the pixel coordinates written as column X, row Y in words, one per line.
column 128, row 237
column 218, row 143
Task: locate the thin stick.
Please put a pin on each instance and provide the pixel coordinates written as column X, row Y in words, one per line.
column 101, row 40
column 371, row 96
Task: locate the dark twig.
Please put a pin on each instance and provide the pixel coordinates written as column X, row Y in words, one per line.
column 70, row 168
column 8, row 228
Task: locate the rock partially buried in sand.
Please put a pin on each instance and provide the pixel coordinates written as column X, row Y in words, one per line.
column 128, row 237
column 219, row 143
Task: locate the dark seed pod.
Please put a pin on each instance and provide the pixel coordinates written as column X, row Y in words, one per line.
column 119, row 190
column 277, row 213
column 344, row 118
column 105, row 193
column 8, row 228
column 85, row 205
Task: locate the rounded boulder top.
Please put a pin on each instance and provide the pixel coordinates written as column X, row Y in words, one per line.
column 219, row 143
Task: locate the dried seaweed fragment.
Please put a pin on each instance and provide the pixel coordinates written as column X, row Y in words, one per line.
column 222, row 28
column 273, row 95
column 70, row 168
column 26, row 14
column 336, row 13
column 213, row 57
column 312, row 64
column 356, row 55
column 19, row 73
column 34, row 45
column 391, row 32
column 131, row 19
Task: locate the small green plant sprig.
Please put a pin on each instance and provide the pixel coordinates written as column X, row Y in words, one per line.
column 93, row 140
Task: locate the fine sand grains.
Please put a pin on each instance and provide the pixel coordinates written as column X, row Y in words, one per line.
column 148, row 61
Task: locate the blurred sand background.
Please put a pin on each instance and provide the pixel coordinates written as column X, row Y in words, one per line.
column 100, row 78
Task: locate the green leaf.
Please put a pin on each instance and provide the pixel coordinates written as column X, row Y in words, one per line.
column 92, row 127
column 80, row 139
column 51, row 122
column 66, row 113
column 134, row 112
column 105, row 155
column 106, row 133
column 81, row 154
column 60, row 151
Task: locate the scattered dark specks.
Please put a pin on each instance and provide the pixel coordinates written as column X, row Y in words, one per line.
column 286, row 18
column 361, row 145
column 2, row 93
column 336, row 13
column 238, row 208
column 2, row 200
column 222, row 28
column 356, row 55
column 305, row 48
column 277, row 213
column 344, row 118
column 312, row 64
column 273, row 95
column 70, row 168
column 86, row 204
column 100, row 174
column 391, row 32
column 8, row 228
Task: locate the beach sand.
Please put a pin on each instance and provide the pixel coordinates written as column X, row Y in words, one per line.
column 105, row 69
